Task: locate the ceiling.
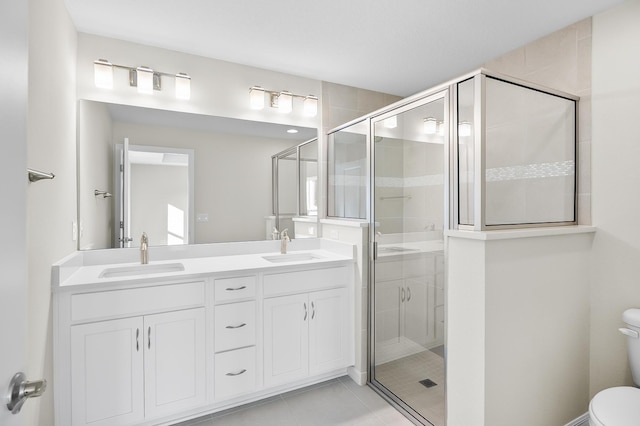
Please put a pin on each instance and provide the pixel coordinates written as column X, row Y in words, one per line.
column 394, row 46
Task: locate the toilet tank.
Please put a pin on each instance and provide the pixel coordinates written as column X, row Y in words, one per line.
column 632, row 318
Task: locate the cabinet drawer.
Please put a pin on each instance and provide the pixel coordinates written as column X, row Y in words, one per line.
column 303, row 281
column 229, row 289
column 135, row 301
column 235, row 325
column 235, row 372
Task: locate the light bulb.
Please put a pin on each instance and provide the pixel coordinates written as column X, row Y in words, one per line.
column 256, row 97
column 464, row 129
column 103, row 74
column 183, row 86
column 391, row 122
column 430, row 126
column 285, row 102
column 145, row 80
column 310, row 106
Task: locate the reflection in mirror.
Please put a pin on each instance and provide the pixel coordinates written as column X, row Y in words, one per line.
column 347, row 153
column 232, row 192
column 295, row 194
column 157, row 184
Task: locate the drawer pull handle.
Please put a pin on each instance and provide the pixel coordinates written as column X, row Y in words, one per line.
column 236, row 326
column 238, row 373
column 242, row 287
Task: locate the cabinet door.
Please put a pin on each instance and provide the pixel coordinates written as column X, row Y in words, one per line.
column 388, row 305
column 107, row 373
column 286, row 338
column 328, row 328
column 174, row 361
column 417, row 310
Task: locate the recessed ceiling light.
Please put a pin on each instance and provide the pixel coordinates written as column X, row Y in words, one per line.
column 292, row 131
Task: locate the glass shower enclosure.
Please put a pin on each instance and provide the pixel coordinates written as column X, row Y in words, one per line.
column 479, row 153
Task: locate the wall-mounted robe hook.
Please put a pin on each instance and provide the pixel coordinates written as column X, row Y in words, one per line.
column 104, row 194
column 35, row 175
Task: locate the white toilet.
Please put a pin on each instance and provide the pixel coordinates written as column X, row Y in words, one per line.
column 620, row 406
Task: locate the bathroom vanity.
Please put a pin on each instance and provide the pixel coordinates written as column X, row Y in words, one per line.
column 200, row 329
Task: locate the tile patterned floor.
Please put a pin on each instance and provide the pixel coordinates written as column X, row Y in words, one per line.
column 402, row 377
column 336, row 402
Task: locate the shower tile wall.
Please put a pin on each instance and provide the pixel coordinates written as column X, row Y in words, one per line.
column 561, row 60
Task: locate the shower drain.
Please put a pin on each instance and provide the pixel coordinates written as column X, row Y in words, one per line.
column 428, row 383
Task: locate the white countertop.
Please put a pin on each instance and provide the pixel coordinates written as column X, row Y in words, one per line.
column 410, row 248
column 75, row 272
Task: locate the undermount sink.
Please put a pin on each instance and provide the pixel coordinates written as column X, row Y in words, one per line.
column 130, row 271
column 292, row 257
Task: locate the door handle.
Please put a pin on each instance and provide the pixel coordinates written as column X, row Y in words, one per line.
column 313, row 310
column 305, row 311
column 20, row 390
column 137, row 338
column 149, row 338
column 408, row 294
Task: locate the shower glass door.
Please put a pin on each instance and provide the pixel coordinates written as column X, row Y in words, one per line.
column 407, row 285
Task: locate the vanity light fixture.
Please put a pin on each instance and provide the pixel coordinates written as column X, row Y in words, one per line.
column 282, row 100
column 430, row 126
column 144, row 78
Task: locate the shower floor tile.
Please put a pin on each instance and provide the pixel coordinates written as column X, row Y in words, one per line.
column 403, row 376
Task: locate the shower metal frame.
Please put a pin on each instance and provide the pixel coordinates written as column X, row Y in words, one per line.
column 449, row 91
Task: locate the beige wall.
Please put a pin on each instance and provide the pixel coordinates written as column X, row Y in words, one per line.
column 95, row 222
column 615, row 270
column 51, row 204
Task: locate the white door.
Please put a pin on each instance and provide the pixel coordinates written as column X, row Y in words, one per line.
column 286, row 338
column 107, row 374
column 175, row 375
column 328, row 330
column 13, row 187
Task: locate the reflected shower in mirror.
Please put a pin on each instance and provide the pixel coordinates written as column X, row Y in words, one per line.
column 232, row 191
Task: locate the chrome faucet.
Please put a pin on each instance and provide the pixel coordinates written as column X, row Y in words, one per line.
column 144, row 249
column 284, row 239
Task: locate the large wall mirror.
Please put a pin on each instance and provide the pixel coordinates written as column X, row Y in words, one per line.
column 182, row 178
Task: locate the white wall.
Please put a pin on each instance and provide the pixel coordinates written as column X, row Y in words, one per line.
column 95, row 172
column 615, row 270
column 51, row 204
column 518, row 309
column 217, row 87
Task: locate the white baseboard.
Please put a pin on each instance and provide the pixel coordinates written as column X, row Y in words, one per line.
column 360, row 377
column 583, row 420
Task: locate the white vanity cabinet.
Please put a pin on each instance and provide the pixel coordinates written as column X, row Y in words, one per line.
column 133, row 368
column 235, row 327
column 305, row 333
column 147, row 347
